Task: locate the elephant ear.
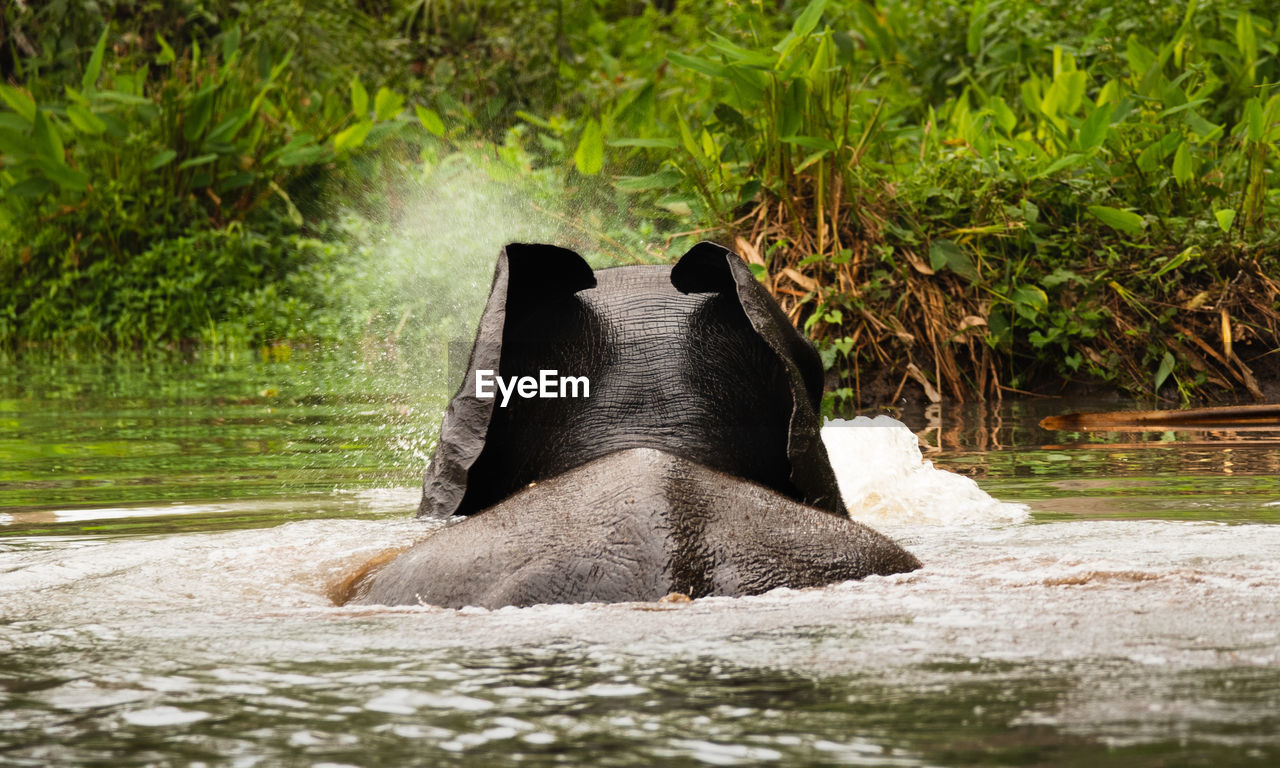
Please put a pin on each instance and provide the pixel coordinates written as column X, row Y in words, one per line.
column 524, row 272
column 709, row 267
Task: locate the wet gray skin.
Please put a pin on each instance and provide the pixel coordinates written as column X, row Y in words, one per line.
column 637, row 524
column 695, row 466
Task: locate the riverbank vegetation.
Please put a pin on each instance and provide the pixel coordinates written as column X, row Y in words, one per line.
column 955, row 199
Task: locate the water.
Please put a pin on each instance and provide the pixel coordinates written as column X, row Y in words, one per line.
column 170, row 533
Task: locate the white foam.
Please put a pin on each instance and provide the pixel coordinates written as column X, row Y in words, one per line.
column 883, row 477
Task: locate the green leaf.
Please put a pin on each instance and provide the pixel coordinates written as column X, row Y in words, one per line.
column 1029, row 298
column 62, row 174
column 1073, row 85
column 48, row 142
column 686, row 138
column 14, row 143
column 1066, row 161
column 1093, row 131
column 352, row 137
column 387, row 104
column 430, row 120
column 19, row 102
column 32, row 186
column 739, row 54
column 1124, row 221
column 91, row 72
column 161, row 158
column 1145, row 66
column 304, row 155
column 810, row 160
column 653, row 143
column 230, row 42
column 85, row 121
column 1178, row 260
column 664, row 179
column 166, row 55
column 1166, row 368
column 236, row 181
column 945, row 253
column 1246, row 38
column 1182, row 167
column 1180, row 108
column 121, row 97
column 195, row 117
column 589, row 156
column 697, row 64
column 1003, row 115
column 1226, row 217
column 230, row 125
column 359, row 101
column 198, row 161
column 1253, row 119
column 808, row 18
column 977, row 25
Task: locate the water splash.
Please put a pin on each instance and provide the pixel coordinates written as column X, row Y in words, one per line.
column 883, row 477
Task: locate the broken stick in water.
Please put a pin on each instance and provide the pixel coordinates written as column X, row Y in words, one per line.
column 1238, row 417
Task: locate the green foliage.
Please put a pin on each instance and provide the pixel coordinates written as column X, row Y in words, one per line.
column 987, row 192
column 148, row 156
column 984, row 171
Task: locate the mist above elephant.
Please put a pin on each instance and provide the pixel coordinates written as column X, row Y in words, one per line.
column 695, row 465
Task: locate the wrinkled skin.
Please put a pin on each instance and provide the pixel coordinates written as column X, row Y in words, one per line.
column 696, row 466
column 637, row 524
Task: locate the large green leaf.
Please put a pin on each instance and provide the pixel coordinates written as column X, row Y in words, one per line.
column 808, row 18
column 387, row 104
column 48, row 142
column 84, row 120
column 589, row 156
column 1182, row 165
column 1029, row 300
column 1178, row 260
column 945, row 253
column 738, row 54
column 196, row 162
column 1125, row 221
column 161, row 158
column 359, row 100
column 430, row 120
column 19, row 102
column 1093, row 131
column 697, row 64
column 1226, row 217
column 91, row 72
column 196, row 115
column 663, row 179
column 62, row 174
column 15, row 144
column 352, row 137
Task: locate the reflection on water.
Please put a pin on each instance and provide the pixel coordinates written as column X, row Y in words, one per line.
column 169, row 534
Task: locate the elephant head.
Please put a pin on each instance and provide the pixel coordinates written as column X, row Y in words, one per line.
column 694, row 464
column 697, row 360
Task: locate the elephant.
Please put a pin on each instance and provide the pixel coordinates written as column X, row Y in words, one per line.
column 690, row 463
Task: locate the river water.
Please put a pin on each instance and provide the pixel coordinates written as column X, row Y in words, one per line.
column 170, row 532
